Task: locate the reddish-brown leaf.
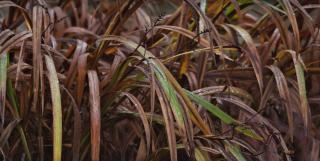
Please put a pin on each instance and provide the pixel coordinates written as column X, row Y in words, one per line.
column 94, row 114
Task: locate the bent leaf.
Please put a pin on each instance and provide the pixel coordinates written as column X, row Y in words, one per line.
column 227, row 119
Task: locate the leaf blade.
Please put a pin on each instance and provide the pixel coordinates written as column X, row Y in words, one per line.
column 95, row 118
column 56, row 108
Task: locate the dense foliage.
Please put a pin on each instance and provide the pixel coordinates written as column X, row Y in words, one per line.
column 151, row 80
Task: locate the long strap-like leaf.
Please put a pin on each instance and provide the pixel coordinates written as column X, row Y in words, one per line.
column 3, row 80
column 94, row 114
column 56, row 108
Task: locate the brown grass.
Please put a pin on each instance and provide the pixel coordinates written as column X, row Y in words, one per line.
column 151, row 80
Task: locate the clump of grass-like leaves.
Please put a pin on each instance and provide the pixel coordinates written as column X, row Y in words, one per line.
column 151, row 80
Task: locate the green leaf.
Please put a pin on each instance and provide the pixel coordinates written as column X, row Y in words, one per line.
column 224, row 117
column 249, row 132
column 171, row 95
column 199, row 156
column 13, row 100
column 298, row 65
column 216, row 111
column 230, row 9
column 235, row 151
column 3, row 82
